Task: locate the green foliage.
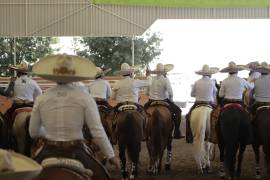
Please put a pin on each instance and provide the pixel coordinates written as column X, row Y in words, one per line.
column 111, row 52
column 29, row 49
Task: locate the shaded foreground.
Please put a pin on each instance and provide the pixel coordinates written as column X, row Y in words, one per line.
column 184, row 167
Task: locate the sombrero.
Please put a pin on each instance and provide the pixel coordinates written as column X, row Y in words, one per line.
column 14, row 166
column 263, row 68
column 65, row 68
column 101, row 72
column 206, row 70
column 162, row 68
column 252, row 65
column 126, row 69
column 22, row 67
column 232, row 67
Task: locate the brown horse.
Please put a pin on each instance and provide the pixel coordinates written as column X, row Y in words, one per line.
column 159, row 137
column 261, row 127
column 129, row 132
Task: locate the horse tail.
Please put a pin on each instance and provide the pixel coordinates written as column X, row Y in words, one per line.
column 134, row 133
column 156, row 129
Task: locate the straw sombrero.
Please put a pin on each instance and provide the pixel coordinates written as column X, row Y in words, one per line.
column 101, row 72
column 162, row 68
column 206, row 70
column 22, row 67
column 232, row 67
column 263, row 68
column 14, row 166
column 126, row 69
column 65, row 68
column 252, row 65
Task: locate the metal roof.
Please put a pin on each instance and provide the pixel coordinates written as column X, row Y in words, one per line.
column 22, row 18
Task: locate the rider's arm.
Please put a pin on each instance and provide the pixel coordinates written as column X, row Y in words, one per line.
column 222, row 90
column 35, row 122
column 93, row 121
column 109, row 91
column 169, row 89
column 37, row 91
column 193, row 90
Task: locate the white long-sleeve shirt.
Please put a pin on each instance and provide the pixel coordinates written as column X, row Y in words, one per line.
column 62, row 111
column 100, row 88
column 26, row 89
column 233, row 87
column 204, row 89
column 160, row 88
column 127, row 89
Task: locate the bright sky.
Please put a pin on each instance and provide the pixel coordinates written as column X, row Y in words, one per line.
column 189, row 44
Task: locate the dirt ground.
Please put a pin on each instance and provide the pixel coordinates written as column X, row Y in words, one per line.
column 184, row 167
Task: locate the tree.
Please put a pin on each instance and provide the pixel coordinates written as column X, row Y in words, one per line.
column 113, row 51
column 29, row 49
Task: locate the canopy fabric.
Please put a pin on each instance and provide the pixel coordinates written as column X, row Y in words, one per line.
column 189, row 3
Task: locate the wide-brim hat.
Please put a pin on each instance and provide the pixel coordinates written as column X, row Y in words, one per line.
column 22, row 67
column 252, row 65
column 162, row 68
column 263, row 68
column 101, row 72
column 232, row 67
column 24, row 168
column 65, row 68
column 126, row 69
column 206, row 70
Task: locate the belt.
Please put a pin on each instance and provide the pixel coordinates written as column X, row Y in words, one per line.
column 262, row 103
column 233, row 100
column 64, row 143
column 203, row 102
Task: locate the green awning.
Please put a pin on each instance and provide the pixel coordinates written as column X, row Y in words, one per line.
column 189, row 3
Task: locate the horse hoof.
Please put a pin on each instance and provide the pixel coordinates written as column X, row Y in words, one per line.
column 131, row 176
column 167, row 167
column 258, row 176
column 221, row 174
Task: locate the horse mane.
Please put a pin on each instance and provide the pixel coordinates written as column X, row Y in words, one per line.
column 156, row 126
column 133, row 137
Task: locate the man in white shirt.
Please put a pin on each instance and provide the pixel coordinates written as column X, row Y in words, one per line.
column 253, row 75
column 100, row 89
column 232, row 88
column 60, row 113
column 262, row 86
column 160, row 90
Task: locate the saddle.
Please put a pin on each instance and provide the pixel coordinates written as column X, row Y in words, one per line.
column 70, row 164
column 159, row 103
column 127, row 107
column 20, row 110
column 232, row 105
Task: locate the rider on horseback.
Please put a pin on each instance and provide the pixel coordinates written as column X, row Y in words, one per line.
column 204, row 90
column 261, row 89
column 60, row 113
column 253, row 75
column 100, row 89
column 126, row 91
column 161, row 90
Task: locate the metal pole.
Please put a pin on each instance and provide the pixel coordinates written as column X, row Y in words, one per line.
column 14, row 56
column 132, row 49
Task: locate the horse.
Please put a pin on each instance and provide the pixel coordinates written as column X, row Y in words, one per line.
column 200, row 127
column 261, row 126
column 159, row 136
column 129, row 134
column 234, row 135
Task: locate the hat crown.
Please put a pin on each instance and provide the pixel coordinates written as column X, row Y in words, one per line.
column 160, row 67
column 99, row 70
column 125, row 67
column 264, row 65
column 232, row 64
column 64, row 65
column 205, row 68
column 253, row 65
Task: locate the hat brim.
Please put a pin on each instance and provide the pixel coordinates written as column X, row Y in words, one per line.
column 103, row 73
column 262, row 70
column 211, row 71
column 233, row 69
column 84, row 69
column 25, row 168
column 18, row 69
column 168, row 67
column 122, row 73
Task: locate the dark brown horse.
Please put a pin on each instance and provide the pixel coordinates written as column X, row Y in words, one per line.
column 129, row 133
column 261, row 127
column 159, row 136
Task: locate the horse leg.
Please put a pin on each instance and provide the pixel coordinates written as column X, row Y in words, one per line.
column 169, row 155
column 134, row 170
column 256, row 149
column 240, row 159
column 230, row 158
column 221, row 147
column 266, row 150
column 122, row 155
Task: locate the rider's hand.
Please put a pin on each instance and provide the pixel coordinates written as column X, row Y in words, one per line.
column 115, row 162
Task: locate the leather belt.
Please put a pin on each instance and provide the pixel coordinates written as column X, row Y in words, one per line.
column 99, row 99
column 233, row 100
column 64, row 143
